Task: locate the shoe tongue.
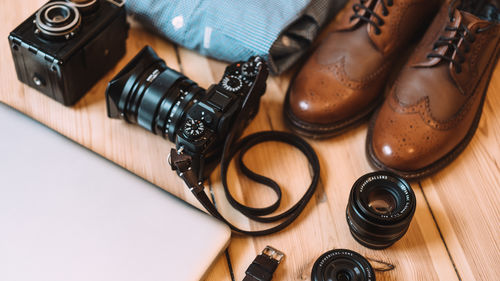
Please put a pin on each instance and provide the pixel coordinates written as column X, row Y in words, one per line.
column 469, row 18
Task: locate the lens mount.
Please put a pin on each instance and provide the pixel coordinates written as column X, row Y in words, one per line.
column 342, row 265
column 380, row 208
column 57, row 20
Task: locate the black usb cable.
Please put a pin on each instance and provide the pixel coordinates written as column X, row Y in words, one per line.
column 264, row 265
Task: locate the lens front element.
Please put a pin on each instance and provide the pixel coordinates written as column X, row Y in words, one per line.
column 57, row 20
column 381, row 201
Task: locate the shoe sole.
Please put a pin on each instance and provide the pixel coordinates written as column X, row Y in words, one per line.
column 440, row 163
column 323, row 131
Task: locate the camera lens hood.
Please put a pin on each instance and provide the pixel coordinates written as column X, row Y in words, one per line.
column 126, row 85
column 380, row 208
column 342, row 265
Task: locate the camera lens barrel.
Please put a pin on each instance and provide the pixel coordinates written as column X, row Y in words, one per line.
column 342, row 265
column 380, row 208
column 150, row 94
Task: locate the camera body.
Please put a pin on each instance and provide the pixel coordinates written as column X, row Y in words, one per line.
column 167, row 103
column 208, row 121
column 64, row 48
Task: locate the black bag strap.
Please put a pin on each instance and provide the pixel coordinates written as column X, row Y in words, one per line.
column 181, row 163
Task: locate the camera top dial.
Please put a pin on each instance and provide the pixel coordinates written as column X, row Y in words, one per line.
column 232, row 83
column 193, row 128
column 250, row 69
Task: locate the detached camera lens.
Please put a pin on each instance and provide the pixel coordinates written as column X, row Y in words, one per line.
column 57, row 20
column 342, row 265
column 380, row 208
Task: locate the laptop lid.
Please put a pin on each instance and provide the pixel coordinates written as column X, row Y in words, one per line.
column 67, row 214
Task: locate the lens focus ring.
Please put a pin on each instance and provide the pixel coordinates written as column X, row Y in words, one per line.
column 380, row 208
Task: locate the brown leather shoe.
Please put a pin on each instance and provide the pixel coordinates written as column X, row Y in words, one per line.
column 344, row 79
column 435, row 105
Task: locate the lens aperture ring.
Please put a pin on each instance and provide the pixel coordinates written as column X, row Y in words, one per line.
column 373, row 239
column 188, row 93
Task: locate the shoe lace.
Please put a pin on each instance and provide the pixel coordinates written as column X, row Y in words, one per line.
column 379, row 20
column 461, row 32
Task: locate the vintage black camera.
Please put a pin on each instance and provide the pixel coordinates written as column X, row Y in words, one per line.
column 167, row 103
column 67, row 46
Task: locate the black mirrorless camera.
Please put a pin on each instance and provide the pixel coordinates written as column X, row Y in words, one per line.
column 68, row 45
column 167, row 103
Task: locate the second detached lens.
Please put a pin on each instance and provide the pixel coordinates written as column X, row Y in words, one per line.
column 342, row 265
column 380, row 208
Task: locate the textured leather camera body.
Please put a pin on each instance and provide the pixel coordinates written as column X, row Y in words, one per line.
column 66, row 68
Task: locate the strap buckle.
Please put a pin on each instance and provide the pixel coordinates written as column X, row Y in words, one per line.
column 273, row 253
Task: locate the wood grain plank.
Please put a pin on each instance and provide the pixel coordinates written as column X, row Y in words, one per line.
column 465, row 197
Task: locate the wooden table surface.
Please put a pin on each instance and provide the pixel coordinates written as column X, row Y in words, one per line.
column 454, row 234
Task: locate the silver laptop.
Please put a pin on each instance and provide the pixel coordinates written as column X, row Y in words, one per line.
column 67, row 214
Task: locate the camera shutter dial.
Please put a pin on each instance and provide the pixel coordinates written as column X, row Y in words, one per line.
column 250, row 69
column 193, row 128
column 232, row 83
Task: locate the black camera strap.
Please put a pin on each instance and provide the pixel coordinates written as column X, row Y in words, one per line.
column 181, row 163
